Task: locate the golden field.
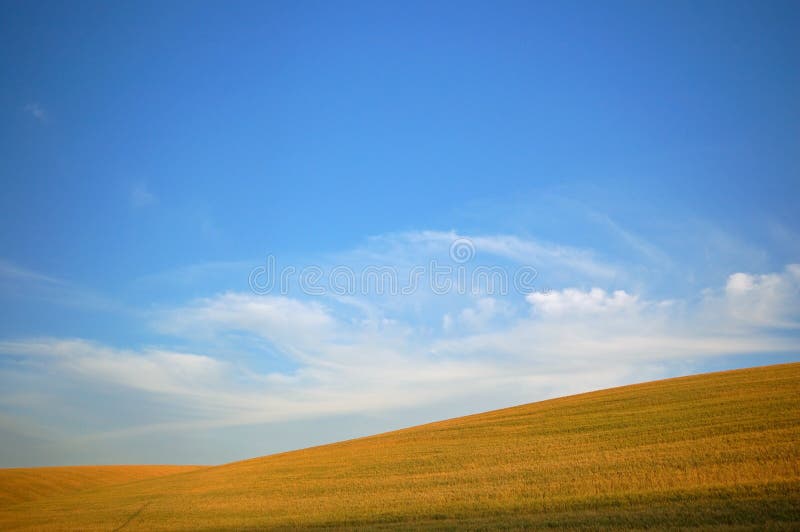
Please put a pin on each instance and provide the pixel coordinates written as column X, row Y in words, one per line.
column 720, row 450
column 30, row 483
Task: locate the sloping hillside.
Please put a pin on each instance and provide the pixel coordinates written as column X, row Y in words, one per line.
column 710, row 450
column 31, row 483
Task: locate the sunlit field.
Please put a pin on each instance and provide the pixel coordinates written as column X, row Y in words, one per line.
column 720, row 450
column 31, row 483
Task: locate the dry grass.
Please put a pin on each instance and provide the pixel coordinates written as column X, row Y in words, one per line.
column 716, row 450
column 31, row 483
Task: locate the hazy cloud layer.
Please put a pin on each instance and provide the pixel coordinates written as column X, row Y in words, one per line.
column 278, row 358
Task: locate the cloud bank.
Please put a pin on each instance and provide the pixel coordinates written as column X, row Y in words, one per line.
column 238, row 359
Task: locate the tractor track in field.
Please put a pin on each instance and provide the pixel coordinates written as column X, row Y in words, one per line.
column 132, row 517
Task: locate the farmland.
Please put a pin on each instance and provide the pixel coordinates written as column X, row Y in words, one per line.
column 719, row 450
column 31, row 483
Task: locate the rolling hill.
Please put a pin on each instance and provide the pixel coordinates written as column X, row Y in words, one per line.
column 31, row 483
column 719, row 450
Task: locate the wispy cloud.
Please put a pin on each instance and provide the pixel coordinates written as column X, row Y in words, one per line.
column 275, row 318
column 9, row 270
column 523, row 250
column 566, row 341
column 36, row 111
column 241, row 359
column 141, row 196
column 645, row 248
column 28, row 283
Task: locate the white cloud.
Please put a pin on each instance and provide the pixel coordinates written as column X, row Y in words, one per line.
column 141, row 196
column 483, row 313
column 447, row 322
column 578, row 326
column 359, row 354
column 577, row 302
column 31, row 284
column 347, row 365
column 521, row 250
column 765, row 300
column 645, row 248
column 36, row 111
column 13, row 271
column 221, row 394
column 276, row 318
column 151, row 370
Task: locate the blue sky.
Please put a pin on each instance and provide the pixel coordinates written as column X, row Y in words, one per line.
column 642, row 158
